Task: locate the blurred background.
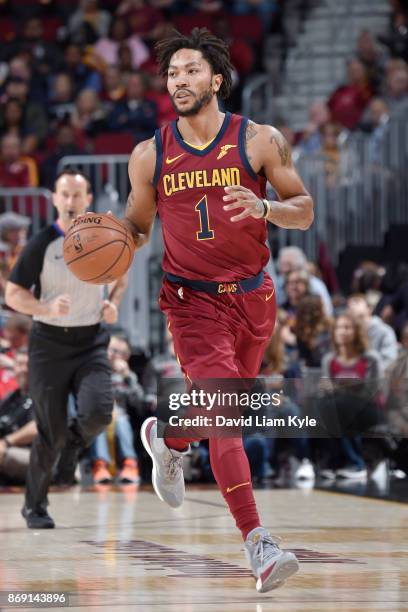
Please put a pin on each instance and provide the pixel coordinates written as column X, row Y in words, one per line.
column 79, row 86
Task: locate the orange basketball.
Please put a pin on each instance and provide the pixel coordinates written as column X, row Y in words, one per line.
column 98, row 249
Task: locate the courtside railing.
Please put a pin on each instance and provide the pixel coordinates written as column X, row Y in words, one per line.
column 357, row 197
column 31, row 202
column 103, row 170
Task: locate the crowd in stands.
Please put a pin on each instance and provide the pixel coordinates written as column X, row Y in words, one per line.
column 80, row 76
column 345, row 345
column 375, row 90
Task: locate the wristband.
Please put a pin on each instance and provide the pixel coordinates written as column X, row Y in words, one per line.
column 267, row 208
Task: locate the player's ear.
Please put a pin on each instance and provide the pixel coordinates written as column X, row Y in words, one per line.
column 89, row 198
column 217, row 82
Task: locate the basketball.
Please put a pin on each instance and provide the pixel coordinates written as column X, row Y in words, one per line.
column 98, row 249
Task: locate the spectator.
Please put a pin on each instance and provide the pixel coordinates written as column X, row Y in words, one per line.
column 16, row 332
column 397, row 37
column 396, row 94
column 373, row 57
column 15, row 337
column 66, row 143
column 348, row 102
column 241, row 54
column 275, row 371
column 44, row 55
column 16, row 169
column 125, row 61
column 265, row 10
column 312, row 330
column 113, row 86
column 13, row 236
column 88, row 23
column 296, row 287
column 144, row 19
column 311, row 140
column 331, row 152
column 107, row 47
column 293, row 258
column 396, row 311
column 136, row 114
column 17, row 425
column 83, row 76
column 349, row 360
column 128, row 395
column 61, row 97
column 13, row 117
column 34, row 124
column 381, row 337
column 88, row 115
column 160, row 96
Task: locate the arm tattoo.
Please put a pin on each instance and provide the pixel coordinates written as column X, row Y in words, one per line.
column 283, row 148
column 250, row 132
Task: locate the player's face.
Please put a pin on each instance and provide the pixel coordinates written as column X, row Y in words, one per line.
column 190, row 82
column 71, row 197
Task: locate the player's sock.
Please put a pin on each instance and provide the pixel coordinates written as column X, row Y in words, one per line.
column 231, row 470
column 179, row 444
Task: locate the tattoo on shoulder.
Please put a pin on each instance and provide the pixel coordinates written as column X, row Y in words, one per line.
column 282, row 146
column 250, row 132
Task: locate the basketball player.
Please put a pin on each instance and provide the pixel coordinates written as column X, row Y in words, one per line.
column 68, row 346
column 205, row 175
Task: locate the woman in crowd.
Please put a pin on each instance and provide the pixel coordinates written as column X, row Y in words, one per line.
column 312, row 331
column 352, row 374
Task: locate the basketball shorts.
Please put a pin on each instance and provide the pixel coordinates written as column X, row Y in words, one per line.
column 219, row 336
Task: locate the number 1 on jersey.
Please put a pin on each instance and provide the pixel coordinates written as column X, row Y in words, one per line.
column 205, row 233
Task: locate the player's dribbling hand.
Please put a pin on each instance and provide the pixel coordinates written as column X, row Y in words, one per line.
column 109, row 312
column 60, row 306
column 241, row 197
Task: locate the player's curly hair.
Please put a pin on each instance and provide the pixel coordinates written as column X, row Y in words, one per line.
column 214, row 50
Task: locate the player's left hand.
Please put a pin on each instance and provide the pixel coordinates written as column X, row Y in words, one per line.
column 109, row 312
column 241, row 197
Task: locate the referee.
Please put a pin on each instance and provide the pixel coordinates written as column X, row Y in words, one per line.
column 68, row 345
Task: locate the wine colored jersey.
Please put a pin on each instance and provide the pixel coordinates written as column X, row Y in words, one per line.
column 200, row 240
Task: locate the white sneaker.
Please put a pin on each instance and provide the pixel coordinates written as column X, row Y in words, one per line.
column 305, row 471
column 352, row 473
column 270, row 565
column 328, row 474
column 167, row 473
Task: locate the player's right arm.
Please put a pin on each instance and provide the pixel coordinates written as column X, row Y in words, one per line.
column 141, row 206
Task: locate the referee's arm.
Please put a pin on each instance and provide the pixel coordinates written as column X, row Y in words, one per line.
column 21, row 299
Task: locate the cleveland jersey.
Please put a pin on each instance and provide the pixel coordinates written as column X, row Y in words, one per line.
column 200, row 241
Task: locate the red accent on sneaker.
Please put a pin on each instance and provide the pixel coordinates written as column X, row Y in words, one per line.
column 265, row 575
column 148, row 430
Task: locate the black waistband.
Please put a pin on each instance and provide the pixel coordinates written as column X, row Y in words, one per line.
column 218, row 287
column 59, row 330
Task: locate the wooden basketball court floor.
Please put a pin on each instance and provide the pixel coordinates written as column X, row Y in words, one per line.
column 125, row 550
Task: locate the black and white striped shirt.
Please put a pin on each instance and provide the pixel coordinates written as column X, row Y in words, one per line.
column 41, row 265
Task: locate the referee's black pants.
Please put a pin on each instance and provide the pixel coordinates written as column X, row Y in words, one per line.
column 64, row 360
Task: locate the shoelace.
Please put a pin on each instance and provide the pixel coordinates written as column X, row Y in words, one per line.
column 173, row 467
column 272, row 547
